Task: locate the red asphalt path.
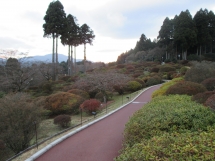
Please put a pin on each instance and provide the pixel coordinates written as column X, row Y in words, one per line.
column 100, row 141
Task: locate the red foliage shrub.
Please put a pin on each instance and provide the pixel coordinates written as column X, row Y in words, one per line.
column 63, row 103
column 202, row 97
column 90, row 105
column 79, row 93
column 211, row 102
column 186, row 87
column 62, row 120
column 209, row 83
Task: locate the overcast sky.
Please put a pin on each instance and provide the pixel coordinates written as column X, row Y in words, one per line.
column 117, row 24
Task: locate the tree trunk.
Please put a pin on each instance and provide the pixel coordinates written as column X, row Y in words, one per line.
column 53, row 55
column 84, row 58
column 53, row 58
column 68, row 60
column 200, row 52
column 56, row 64
column 197, row 52
column 75, row 59
column 71, row 65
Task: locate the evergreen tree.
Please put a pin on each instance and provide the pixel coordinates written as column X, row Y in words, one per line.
column 55, row 24
column 69, row 38
column 211, row 25
column 86, row 36
column 185, row 34
column 203, row 33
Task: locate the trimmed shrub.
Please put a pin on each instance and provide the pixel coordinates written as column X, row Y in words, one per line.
column 63, row 103
column 91, row 105
column 141, row 82
column 119, row 88
column 62, row 120
column 133, row 86
column 155, row 69
column 162, row 90
column 79, row 92
column 200, row 71
column 176, row 146
column 99, row 96
column 209, row 84
column 175, row 113
column 211, row 102
column 186, row 87
column 154, row 80
column 193, row 57
column 183, row 70
column 166, row 68
column 202, row 97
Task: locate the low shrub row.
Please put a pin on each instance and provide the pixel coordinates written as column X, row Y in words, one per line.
column 169, row 124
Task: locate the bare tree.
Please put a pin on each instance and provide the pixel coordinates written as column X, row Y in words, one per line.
column 18, row 118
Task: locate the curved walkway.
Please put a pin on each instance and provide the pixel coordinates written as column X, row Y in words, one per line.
column 100, row 141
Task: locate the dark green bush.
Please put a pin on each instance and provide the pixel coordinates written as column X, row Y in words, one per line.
column 202, row 97
column 186, row 87
column 62, row 120
column 174, row 113
column 200, row 71
column 209, row 84
column 193, row 57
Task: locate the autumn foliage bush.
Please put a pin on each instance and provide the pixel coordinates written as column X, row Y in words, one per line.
column 166, row 68
column 63, row 103
column 186, row 87
column 79, row 92
column 91, row 105
column 209, row 84
column 133, row 86
column 202, row 97
column 62, row 120
column 154, row 80
column 211, row 102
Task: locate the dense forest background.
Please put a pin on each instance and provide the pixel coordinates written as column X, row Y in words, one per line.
column 182, row 38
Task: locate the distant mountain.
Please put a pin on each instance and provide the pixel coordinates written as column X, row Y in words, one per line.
column 48, row 58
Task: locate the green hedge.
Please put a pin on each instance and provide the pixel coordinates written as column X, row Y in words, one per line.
column 170, row 128
column 175, row 146
column 174, row 113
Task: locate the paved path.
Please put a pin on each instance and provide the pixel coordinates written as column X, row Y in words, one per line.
column 100, row 141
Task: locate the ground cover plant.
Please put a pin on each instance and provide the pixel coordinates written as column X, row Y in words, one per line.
column 150, row 130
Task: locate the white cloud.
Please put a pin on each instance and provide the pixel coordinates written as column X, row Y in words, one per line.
column 117, row 24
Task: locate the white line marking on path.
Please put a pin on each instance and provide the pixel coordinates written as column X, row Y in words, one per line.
column 139, row 102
